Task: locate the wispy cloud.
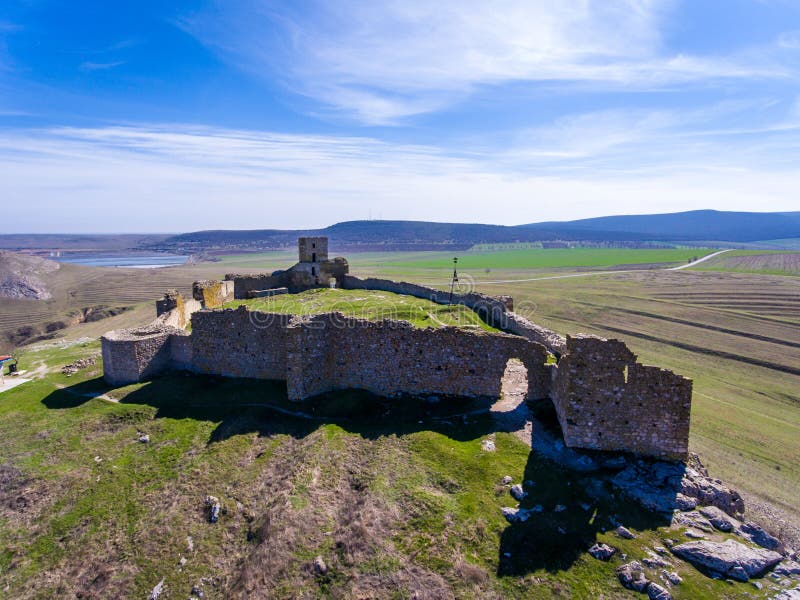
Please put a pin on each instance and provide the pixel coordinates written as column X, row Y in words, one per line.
column 179, row 177
column 100, row 66
column 380, row 62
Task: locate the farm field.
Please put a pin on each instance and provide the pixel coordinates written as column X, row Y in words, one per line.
column 551, row 258
column 754, row 261
column 369, row 305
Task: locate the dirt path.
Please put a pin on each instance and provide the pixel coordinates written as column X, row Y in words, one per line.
column 510, row 412
column 698, row 261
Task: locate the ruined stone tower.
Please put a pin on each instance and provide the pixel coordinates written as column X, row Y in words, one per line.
column 313, row 249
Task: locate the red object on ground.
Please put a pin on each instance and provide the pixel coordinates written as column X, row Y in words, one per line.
column 5, row 358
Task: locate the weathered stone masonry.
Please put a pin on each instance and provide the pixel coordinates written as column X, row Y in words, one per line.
column 603, row 397
column 331, row 352
column 131, row 355
column 605, row 400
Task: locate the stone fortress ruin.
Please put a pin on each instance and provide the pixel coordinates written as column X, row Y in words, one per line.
column 604, row 398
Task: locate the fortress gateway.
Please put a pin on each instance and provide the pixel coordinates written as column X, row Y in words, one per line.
column 604, row 398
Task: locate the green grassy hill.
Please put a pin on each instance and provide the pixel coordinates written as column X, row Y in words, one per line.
column 398, row 502
column 369, row 305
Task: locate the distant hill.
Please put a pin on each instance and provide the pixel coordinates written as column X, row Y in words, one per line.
column 24, row 277
column 77, row 242
column 693, row 226
column 696, row 225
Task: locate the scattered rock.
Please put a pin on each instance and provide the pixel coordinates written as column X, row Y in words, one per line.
column 632, row 577
column 695, row 535
column 78, row 365
column 320, row 568
column 793, row 594
column 654, row 561
column 487, row 446
column 517, row 492
column 685, row 503
column 788, row 568
column 672, row 577
column 662, row 487
column 506, row 480
column 182, row 561
column 602, row 551
column 515, row 515
column 156, row 592
column 758, row 535
column 624, row 533
column 693, row 520
column 213, row 506
column 144, row 438
column 656, row 592
column 718, row 518
column 728, row 558
column 190, row 543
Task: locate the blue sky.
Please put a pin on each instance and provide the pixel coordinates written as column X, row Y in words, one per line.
column 177, row 116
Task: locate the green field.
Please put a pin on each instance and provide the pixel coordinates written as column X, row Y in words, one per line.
column 551, row 258
column 397, row 501
column 370, row 305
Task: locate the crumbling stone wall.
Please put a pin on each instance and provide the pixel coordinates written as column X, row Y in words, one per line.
column 175, row 310
column 239, row 343
column 329, row 352
column 213, row 294
column 605, row 400
column 244, row 284
column 180, row 351
column 496, row 311
column 302, row 276
column 391, row 358
column 131, row 355
column 312, row 249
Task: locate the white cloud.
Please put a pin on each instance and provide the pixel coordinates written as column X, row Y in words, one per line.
column 382, row 61
column 790, row 40
column 100, row 66
column 182, row 178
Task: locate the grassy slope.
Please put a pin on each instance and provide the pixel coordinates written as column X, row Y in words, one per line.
column 414, row 507
column 745, row 418
column 771, row 262
column 369, row 305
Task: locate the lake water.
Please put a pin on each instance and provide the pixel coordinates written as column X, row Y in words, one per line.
column 130, row 261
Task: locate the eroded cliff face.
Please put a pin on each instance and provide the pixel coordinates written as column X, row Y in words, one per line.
column 23, row 277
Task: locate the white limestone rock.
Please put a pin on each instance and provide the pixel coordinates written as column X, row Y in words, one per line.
column 728, row 558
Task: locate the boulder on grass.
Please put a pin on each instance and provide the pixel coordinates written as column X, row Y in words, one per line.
column 728, row 558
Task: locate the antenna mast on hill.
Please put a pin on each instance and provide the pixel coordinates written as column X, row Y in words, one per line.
column 455, row 278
